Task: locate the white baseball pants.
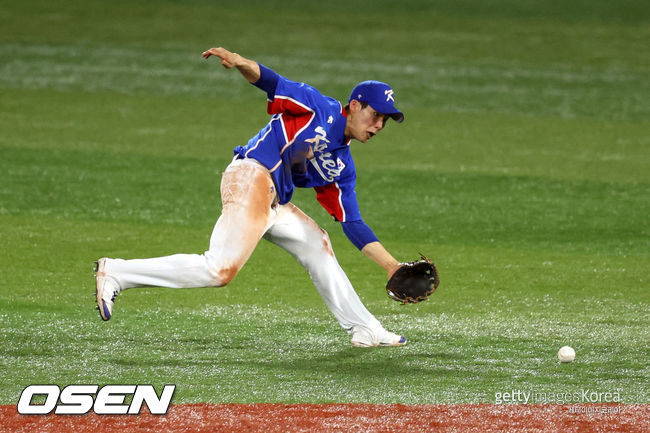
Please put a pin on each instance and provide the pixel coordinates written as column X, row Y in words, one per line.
column 249, row 213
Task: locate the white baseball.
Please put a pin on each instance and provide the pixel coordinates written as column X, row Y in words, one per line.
column 566, row 354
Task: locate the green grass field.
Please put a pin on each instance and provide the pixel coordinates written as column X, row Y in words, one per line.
column 522, row 169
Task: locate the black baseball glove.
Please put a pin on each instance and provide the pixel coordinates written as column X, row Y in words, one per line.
column 413, row 282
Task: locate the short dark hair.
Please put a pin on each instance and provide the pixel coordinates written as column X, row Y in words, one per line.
column 363, row 105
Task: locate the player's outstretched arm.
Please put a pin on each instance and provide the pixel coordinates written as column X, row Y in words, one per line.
column 376, row 252
column 248, row 68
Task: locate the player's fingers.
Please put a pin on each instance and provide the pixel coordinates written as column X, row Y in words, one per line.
column 230, row 60
column 210, row 52
column 219, row 52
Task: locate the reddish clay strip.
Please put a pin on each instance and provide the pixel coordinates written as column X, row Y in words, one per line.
column 311, row 418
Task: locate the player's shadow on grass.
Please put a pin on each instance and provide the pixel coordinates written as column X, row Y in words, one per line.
column 355, row 362
column 387, row 362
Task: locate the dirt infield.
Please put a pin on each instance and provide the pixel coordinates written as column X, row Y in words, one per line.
column 270, row 418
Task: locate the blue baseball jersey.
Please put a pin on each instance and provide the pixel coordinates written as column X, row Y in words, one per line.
column 304, row 119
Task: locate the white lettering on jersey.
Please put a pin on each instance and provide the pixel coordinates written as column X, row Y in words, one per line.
column 328, row 168
column 321, row 136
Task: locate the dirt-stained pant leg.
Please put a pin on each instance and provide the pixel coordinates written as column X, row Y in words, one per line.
column 247, row 194
column 297, row 233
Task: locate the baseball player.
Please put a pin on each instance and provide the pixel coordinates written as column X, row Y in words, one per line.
column 305, row 144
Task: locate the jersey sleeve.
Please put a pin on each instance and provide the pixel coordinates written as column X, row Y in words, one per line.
column 268, row 80
column 359, row 233
column 286, row 96
column 339, row 200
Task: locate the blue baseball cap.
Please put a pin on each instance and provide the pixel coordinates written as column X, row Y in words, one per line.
column 379, row 96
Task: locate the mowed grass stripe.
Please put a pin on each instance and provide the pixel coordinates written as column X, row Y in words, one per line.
column 468, row 86
column 508, row 211
column 298, row 355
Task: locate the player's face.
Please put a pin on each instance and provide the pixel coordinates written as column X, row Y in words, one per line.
column 364, row 123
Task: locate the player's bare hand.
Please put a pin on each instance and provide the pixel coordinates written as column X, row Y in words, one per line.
column 248, row 68
column 228, row 59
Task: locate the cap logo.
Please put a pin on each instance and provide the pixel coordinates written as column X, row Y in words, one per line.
column 389, row 95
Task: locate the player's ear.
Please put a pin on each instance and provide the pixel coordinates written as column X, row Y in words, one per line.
column 355, row 106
